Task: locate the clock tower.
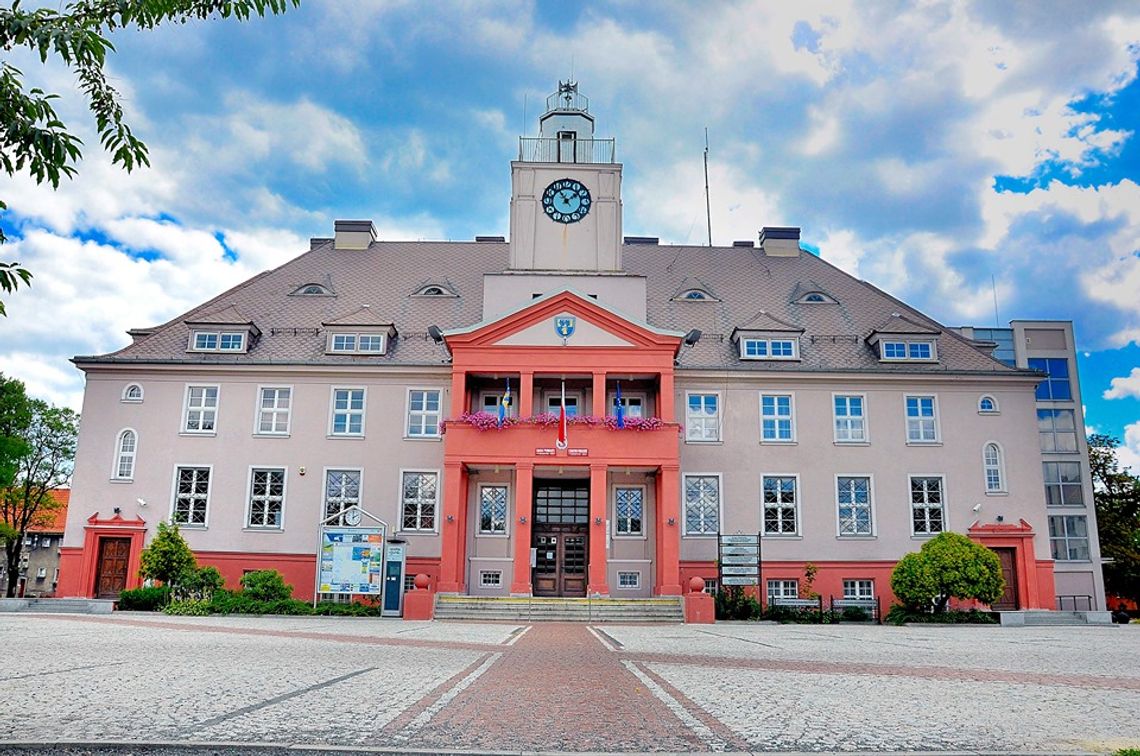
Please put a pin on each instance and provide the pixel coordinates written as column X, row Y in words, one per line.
column 566, row 193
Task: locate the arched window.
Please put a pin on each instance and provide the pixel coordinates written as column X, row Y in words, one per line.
column 695, row 295
column 434, row 290
column 987, row 405
column 132, row 393
column 991, row 463
column 312, row 290
column 125, row 451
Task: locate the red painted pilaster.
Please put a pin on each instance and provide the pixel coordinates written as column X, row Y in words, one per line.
column 454, row 555
column 524, row 505
column 599, row 403
column 669, row 542
column 598, row 506
column 459, row 403
column 526, row 394
column 666, row 402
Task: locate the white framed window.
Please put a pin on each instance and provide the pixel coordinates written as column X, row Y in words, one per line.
column 629, row 510
column 702, row 504
column 347, row 415
column 858, row 589
column 853, row 499
column 342, row 490
column 126, row 447
column 489, row 402
column 711, row 586
column 994, row 469
column 423, row 413
column 355, row 343
column 783, row 589
column 777, row 423
column 41, row 573
column 191, row 500
column 780, row 504
column 629, row 579
column 921, row 419
column 274, row 407
column 217, row 341
column 987, row 405
column 1069, row 538
column 915, row 350
column 702, row 417
column 573, row 402
column 266, row 498
column 419, row 499
column 769, row 349
column 850, row 418
column 927, row 505
column 632, row 404
column 132, row 393
column 1057, row 430
column 487, row 578
column 1063, row 484
column 493, row 508
column 201, row 409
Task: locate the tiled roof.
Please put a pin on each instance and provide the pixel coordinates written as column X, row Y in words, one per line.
column 361, row 316
column 898, row 323
column 765, row 321
column 56, row 519
column 385, row 276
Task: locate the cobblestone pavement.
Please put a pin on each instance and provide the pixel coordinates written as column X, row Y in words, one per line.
column 393, row 685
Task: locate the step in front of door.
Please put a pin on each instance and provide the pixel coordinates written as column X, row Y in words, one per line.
column 551, row 609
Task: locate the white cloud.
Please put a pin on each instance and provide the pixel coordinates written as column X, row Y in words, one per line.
column 1125, row 386
column 1128, row 453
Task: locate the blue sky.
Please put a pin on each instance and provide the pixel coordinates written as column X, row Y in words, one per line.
column 926, row 148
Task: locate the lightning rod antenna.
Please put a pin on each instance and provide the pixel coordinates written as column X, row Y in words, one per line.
column 993, row 287
column 708, row 204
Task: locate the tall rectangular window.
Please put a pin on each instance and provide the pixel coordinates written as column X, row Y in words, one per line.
column 348, row 412
column 191, row 496
column 921, row 421
column 1057, row 430
column 702, row 505
column 418, row 494
column 1056, row 387
column 926, row 505
column 779, row 504
column 266, row 497
column 342, row 490
column 1063, row 484
column 702, row 417
column 273, row 410
column 853, row 496
column 629, row 509
column 201, row 409
column 850, row 424
column 423, row 413
column 493, row 510
column 1069, row 538
column 776, row 418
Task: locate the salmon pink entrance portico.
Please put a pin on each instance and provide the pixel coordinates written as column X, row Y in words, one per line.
column 527, row 347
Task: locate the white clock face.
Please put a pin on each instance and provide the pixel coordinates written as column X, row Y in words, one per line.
column 352, row 517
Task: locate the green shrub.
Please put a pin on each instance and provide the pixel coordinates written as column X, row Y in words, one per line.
column 333, row 609
column 732, row 603
column 900, row 615
column 189, row 608
column 266, row 585
column 167, row 557
column 240, row 602
column 150, row 599
column 198, row 583
column 947, row 566
column 801, row 615
column 854, row 614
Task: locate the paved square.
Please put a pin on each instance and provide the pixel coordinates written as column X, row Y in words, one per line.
column 564, row 687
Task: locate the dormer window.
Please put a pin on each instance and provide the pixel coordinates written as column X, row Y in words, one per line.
column 909, row 350
column 695, row 295
column 435, row 290
column 217, row 341
column 312, row 290
column 768, row 349
column 356, row 343
column 815, row 297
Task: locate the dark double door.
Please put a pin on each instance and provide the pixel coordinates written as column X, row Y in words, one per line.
column 111, row 569
column 560, row 538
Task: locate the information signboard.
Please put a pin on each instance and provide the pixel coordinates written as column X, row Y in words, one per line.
column 738, row 557
column 351, row 560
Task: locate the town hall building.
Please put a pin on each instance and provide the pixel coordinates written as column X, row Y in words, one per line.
column 708, row 391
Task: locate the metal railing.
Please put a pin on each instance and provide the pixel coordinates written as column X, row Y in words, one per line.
column 551, row 150
column 1075, row 600
column 868, row 605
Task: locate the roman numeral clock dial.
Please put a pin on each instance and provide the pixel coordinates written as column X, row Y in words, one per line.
column 566, row 201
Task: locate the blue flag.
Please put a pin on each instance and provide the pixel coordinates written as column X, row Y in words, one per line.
column 505, row 404
column 619, row 410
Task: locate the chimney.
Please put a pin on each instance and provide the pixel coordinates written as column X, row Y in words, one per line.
column 780, row 241
column 354, row 234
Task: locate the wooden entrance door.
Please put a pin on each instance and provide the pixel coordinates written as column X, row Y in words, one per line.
column 560, row 539
column 1009, row 600
column 111, row 570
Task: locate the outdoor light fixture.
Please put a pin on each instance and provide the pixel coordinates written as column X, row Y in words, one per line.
column 597, row 520
column 522, row 520
column 1000, row 518
column 117, row 510
column 451, row 518
column 692, row 337
column 672, row 520
column 435, row 333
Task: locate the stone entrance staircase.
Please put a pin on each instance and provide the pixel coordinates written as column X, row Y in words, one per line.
column 1048, row 618
column 57, row 605
column 524, row 609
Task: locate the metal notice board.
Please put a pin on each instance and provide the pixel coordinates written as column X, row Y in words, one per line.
column 350, row 557
column 738, row 559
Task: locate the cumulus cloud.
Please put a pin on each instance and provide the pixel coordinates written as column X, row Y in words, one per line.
column 1125, row 386
column 1128, row 453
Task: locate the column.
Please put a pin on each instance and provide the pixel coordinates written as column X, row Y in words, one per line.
column 599, row 404
column 526, row 396
column 459, row 403
column 524, row 511
column 666, row 401
column 599, row 500
column 453, row 541
column 669, row 542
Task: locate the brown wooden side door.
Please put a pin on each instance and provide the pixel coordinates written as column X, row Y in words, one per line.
column 1009, row 599
column 111, row 570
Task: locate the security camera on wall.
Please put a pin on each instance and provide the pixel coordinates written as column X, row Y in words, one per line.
column 140, row 502
column 977, row 506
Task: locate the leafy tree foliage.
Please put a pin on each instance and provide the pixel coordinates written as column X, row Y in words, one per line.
column 167, row 557
column 33, row 138
column 947, row 566
column 37, row 449
column 266, row 585
column 1116, row 494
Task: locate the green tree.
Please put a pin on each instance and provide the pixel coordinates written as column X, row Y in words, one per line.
column 947, row 566
column 33, row 139
column 1116, row 494
column 37, row 450
column 168, row 558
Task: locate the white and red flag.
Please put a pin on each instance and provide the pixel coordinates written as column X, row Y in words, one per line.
column 561, row 443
